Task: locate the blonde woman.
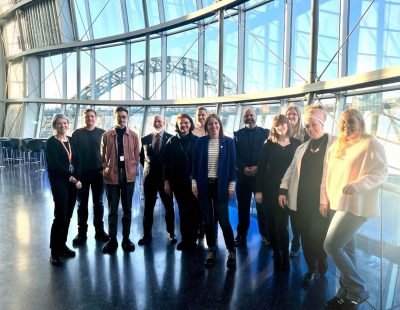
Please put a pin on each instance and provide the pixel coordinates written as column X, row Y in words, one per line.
column 356, row 167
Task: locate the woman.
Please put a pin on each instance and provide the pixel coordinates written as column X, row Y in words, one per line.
column 300, row 190
column 213, row 183
column 276, row 156
column 356, row 167
column 177, row 171
column 64, row 171
column 201, row 115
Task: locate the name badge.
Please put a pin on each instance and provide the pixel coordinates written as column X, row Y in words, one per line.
column 71, row 169
column 122, row 158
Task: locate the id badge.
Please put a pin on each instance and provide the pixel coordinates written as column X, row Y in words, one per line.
column 71, row 169
column 122, row 158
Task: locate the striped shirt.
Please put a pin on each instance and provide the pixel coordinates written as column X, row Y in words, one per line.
column 213, row 153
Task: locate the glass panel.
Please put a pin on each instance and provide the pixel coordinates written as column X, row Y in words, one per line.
column 11, row 37
column 12, row 124
column 177, row 8
column 183, row 78
column 263, row 70
column 136, row 115
column 374, row 43
column 300, row 54
column 230, row 56
column 105, row 117
column 148, row 126
column 138, row 55
column 86, row 87
column 328, row 38
column 135, row 14
column 15, row 80
column 227, row 115
column 46, row 126
column 172, row 112
column 53, row 85
column 110, row 73
column 70, row 111
column 152, row 12
column 155, row 69
column 106, row 18
column 211, row 60
column 71, row 76
column 207, row 3
column 81, row 20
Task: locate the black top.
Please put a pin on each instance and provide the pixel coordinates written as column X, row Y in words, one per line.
column 273, row 163
column 57, row 159
column 308, row 194
column 249, row 142
column 89, row 143
column 178, row 159
column 120, row 135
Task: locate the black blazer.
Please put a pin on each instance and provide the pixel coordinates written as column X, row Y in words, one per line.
column 152, row 163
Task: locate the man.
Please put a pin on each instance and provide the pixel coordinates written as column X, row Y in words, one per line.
column 152, row 160
column 249, row 142
column 201, row 115
column 120, row 155
column 88, row 140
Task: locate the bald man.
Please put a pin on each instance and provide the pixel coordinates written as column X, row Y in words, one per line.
column 152, row 160
column 249, row 141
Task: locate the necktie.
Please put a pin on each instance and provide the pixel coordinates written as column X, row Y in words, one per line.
column 157, row 144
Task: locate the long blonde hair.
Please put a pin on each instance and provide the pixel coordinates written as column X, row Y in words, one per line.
column 298, row 130
column 341, row 144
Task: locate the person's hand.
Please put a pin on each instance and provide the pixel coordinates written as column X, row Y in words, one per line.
column 323, row 210
column 349, row 189
column 195, row 192
column 78, row 185
column 72, row 179
column 258, row 197
column 231, row 194
column 282, row 200
column 167, row 189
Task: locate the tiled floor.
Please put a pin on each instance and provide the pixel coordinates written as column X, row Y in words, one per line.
column 153, row 277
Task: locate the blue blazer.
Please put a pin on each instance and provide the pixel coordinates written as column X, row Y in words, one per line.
column 226, row 167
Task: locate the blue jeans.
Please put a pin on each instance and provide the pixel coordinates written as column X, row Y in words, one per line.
column 340, row 244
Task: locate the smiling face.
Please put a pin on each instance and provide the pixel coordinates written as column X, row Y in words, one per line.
column 250, row 118
column 281, row 129
column 293, row 117
column 158, row 123
column 314, row 128
column 213, row 127
column 61, row 126
column 184, row 126
column 201, row 116
column 350, row 126
column 90, row 119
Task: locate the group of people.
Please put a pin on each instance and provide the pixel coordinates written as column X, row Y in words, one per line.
column 328, row 187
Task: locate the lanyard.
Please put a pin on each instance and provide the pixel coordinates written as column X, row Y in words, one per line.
column 69, row 150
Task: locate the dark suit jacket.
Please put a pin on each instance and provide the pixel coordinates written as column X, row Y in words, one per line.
column 152, row 163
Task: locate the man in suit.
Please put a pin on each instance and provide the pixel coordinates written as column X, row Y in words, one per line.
column 152, row 160
column 249, row 141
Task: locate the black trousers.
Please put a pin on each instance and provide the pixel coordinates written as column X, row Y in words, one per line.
column 122, row 191
column 189, row 212
column 214, row 211
column 64, row 197
column 277, row 219
column 313, row 229
column 151, row 187
column 294, row 223
column 244, row 189
column 91, row 179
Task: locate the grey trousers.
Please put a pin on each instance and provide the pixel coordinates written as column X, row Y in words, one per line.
column 340, row 244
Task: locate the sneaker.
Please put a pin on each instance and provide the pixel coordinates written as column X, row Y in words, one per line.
column 67, row 252
column 79, row 239
column 334, row 303
column 101, row 236
column 231, row 262
column 127, row 245
column 172, row 239
column 211, row 259
column 110, row 247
